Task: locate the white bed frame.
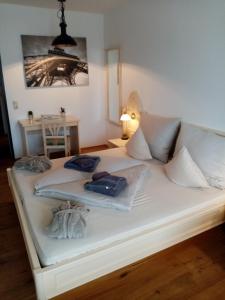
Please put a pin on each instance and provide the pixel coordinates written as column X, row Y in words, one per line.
column 58, row 278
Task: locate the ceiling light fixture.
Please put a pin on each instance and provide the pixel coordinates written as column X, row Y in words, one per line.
column 63, row 40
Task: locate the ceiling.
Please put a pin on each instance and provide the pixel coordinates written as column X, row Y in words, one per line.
column 96, row 6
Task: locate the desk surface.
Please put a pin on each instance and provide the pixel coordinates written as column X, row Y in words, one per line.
column 36, row 122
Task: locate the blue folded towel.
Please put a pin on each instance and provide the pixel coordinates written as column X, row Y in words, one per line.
column 106, row 184
column 99, row 175
column 84, row 163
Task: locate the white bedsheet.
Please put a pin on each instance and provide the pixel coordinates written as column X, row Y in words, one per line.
column 167, row 202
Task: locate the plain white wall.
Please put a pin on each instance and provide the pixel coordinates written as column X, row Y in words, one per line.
column 86, row 103
column 173, row 54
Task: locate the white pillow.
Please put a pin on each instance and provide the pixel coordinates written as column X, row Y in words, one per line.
column 160, row 133
column 137, row 146
column 182, row 170
column 207, row 149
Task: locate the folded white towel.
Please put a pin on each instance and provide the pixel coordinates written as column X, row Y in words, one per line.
column 61, row 175
column 58, row 176
column 125, row 201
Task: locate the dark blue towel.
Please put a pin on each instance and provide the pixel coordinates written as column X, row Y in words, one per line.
column 84, row 163
column 108, row 185
column 99, row 175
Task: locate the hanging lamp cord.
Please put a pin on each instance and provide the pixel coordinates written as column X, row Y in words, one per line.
column 60, row 13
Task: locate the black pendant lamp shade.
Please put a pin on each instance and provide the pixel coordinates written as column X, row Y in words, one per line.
column 63, row 40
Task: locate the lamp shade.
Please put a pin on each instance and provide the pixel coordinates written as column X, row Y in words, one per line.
column 63, row 40
column 125, row 117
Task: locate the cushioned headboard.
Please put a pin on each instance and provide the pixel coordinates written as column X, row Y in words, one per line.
column 221, row 133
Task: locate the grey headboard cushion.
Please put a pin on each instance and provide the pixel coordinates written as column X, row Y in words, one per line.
column 207, row 149
column 160, row 133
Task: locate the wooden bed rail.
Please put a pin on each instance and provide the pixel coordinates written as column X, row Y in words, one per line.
column 58, row 278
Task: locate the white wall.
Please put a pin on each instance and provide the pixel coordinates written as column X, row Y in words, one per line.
column 86, row 103
column 173, row 54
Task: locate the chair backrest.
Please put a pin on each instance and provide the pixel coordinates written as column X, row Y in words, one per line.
column 54, row 134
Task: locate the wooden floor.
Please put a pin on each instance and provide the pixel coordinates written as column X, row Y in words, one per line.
column 194, row 269
column 15, row 276
column 4, row 146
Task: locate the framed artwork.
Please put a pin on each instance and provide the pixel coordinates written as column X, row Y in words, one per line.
column 46, row 66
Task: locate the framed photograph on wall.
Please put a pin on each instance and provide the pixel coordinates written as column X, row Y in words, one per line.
column 46, row 66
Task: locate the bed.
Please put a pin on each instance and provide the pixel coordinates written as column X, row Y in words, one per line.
column 114, row 238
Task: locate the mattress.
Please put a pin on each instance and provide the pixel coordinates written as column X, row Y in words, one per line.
column 166, row 202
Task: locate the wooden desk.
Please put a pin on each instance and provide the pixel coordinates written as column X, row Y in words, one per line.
column 35, row 125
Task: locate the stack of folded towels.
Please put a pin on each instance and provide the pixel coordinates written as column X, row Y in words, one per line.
column 102, row 182
column 106, row 184
column 83, row 163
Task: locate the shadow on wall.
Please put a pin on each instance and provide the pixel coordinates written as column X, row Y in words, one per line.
column 173, row 57
column 174, row 39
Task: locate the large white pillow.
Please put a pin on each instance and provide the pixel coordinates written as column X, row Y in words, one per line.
column 160, row 133
column 137, row 146
column 182, row 170
column 207, row 149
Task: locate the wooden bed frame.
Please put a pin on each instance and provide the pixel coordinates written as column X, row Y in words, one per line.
column 58, row 278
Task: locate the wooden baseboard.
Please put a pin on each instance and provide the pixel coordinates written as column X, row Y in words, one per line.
column 94, row 148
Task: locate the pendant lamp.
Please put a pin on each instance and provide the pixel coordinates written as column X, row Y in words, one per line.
column 63, row 40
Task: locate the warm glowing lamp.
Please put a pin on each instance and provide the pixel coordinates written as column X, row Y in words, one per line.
column 125, row 118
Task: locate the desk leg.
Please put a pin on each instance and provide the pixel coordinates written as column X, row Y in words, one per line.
column 74, row 140
column 27, row 152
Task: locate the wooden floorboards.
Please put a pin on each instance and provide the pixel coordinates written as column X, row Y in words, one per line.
column 16, row 280
column 194, row 269
column 94, row 148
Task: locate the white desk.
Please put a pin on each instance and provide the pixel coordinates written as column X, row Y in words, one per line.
column 35, row 125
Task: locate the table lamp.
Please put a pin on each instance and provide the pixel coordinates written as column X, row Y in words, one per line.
column 125, row 118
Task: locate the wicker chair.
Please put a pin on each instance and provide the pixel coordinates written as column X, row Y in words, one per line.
column 55, row 137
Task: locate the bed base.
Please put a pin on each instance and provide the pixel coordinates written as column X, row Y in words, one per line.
column 56, row 279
